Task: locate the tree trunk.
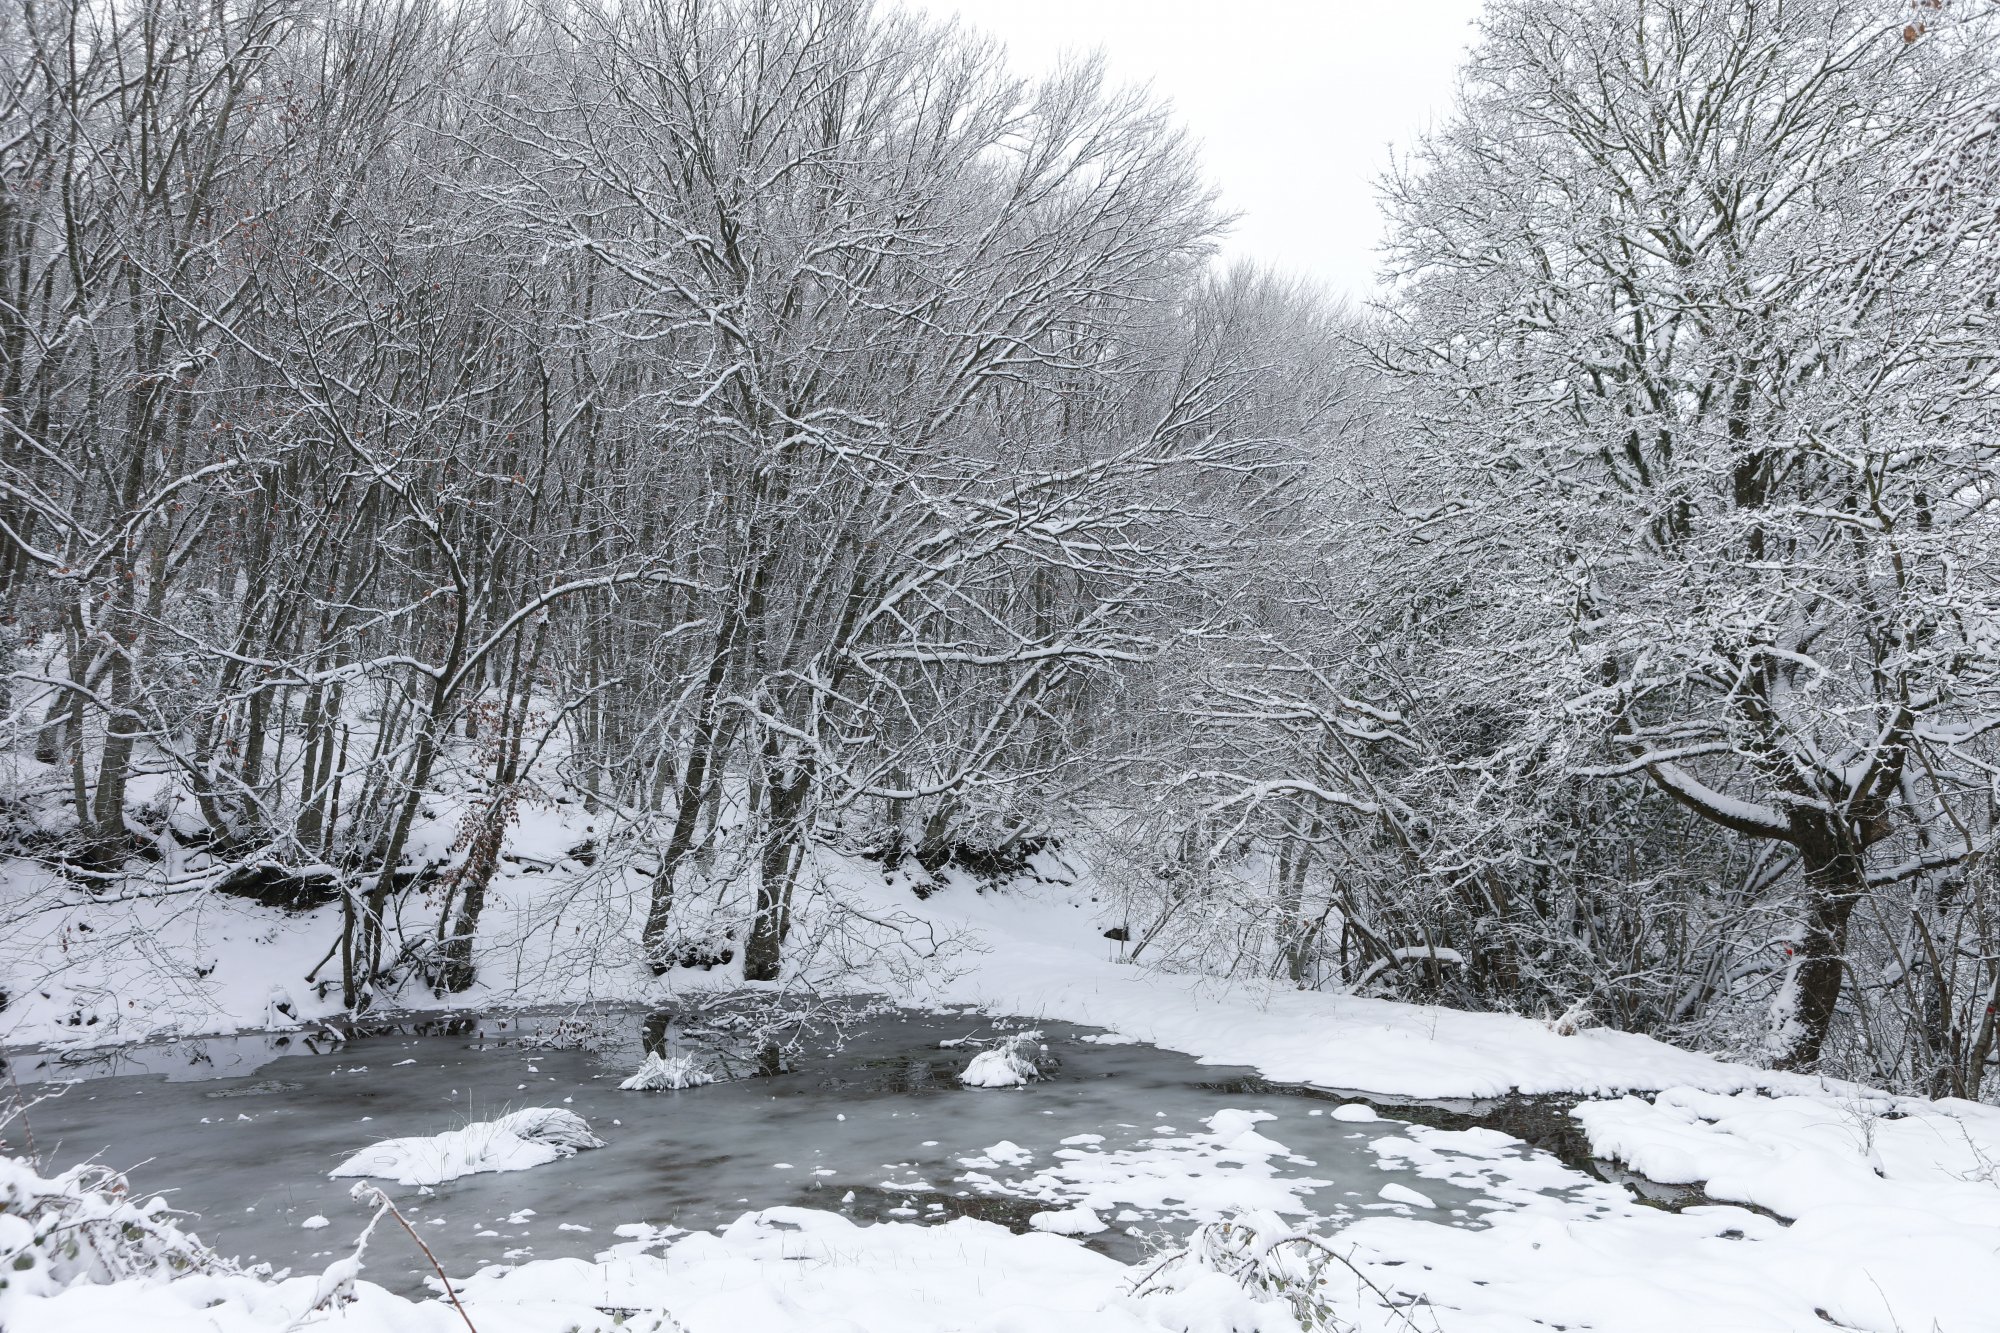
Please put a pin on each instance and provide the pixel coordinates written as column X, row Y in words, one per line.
column 455, row 972
column 108, row 839
column 364, row 961
column 49, row 738
column 1291, row 932
column 778, row 864
column 694, row 783
column 1835, row 882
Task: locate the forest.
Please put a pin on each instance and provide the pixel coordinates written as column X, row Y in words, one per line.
column 774, row 426
column 661, row 598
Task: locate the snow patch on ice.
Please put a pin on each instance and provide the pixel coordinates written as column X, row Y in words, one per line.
column 1395, row 1193
column 1201, row 1176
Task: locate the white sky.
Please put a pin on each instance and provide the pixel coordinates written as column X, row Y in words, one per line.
column 1295, row 103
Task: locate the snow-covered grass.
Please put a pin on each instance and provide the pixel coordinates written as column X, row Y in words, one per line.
column 518, row 1141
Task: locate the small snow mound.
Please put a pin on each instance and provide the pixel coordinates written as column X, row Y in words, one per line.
column 1230, row 1124
column 667, row 1073
column 1358, row 1113
column 1404, row 1194
column 1004, row 1153
column 1008, row 1065
column 516, row 1142
column 315, row 1222
column 1077, row 1221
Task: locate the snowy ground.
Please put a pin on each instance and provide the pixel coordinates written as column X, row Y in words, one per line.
column 1832, row 1207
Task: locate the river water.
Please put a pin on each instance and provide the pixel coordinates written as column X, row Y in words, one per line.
column 866, row 1117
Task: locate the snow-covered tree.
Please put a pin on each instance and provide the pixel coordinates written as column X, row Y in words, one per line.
column 1694, row 312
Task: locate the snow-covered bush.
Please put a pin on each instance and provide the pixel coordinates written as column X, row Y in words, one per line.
column 1276, row 1264
column 1570, row 1021
column 83, row 1227
column 667, row 1073
column 1261, row 1255
column 1011, row 1064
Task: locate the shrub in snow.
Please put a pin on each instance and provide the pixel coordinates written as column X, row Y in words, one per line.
column 514, row 1142
column 280, row 1008
column 1011, row 1064
column 1258, row 1253
column 83, row 1227
column 1570, row 1021
column 665, row 1073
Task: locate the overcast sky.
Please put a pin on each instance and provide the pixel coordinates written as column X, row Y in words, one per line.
column 1295, row 102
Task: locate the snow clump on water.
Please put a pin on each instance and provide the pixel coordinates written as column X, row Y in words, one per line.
column 515, row 1142
column 1009, row 1065
column 666, row 1073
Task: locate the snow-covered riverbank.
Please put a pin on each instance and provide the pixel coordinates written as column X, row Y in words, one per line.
column 558, row 933
column 1829, row 1205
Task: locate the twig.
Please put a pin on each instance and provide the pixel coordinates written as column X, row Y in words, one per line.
column 1344, row 1261
column 436, row 1267
column 22, row 1105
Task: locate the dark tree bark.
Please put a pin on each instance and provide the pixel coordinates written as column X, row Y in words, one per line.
column 786, row 791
